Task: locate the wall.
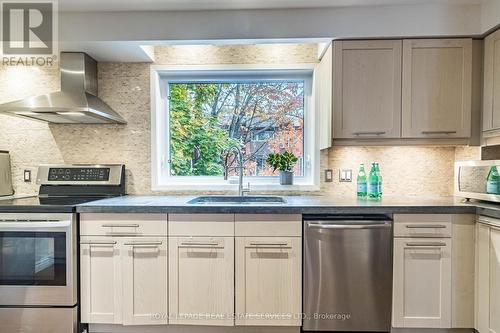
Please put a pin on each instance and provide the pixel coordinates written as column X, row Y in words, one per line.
column 341, row 22
column 490, row 14
column 125, row 87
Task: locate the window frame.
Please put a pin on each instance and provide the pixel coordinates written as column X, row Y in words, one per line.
column 161, row 75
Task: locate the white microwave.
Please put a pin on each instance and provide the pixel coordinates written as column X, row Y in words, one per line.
column 478, row 180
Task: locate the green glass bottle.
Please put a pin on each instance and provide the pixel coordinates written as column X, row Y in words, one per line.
column 373, row 189
column 380, row 180
column 362, row 185
column 493, row 181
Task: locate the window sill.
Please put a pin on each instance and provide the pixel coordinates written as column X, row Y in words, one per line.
column 224, row 187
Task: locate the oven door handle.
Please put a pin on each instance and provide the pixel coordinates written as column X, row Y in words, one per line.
column 25, row 225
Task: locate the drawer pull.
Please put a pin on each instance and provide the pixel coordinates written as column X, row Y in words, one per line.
column 426, row 244
column 144, row 243
column 120, row 225
column 98, row 242
column 438, row 132
column 369, row 133
column 425, row 226
column 194, row 244
column 268, row 244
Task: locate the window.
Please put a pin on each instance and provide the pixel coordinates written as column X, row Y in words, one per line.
column 200, row 114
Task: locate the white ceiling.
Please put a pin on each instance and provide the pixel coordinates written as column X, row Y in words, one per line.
column 154, row 5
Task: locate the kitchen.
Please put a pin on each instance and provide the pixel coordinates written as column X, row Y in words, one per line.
column 148, row 198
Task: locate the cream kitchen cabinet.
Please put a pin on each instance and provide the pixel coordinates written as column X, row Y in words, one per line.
column 482, row 283
column 437, row 88
column 123, row 276
column 487, row 303
column 491, row 90
column 201, row 269
column 422, row 283
column 100, row 280
column 433, row 278
column 268, row 270
column 144, row 278
column 367, row 89
column 495, row 280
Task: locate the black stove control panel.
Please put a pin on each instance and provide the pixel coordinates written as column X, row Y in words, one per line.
column 83, row 174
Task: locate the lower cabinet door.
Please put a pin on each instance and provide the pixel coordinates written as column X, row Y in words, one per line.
column 100, row 279
column 268, row 281
column 422, row 283
column 482, row 290
column 494, row 280
column 201, row 281
column 144, row 275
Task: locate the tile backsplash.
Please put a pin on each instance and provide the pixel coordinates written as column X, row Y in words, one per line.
column 406, row 170
column 126, row 88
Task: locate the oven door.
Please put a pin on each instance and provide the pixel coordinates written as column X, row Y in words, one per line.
column 37, row 261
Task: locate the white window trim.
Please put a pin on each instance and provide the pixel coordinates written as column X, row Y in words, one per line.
column 162, row 181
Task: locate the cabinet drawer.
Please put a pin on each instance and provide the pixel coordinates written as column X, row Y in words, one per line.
column 187, row 225
column 265, row 225
column 123, row 224
column 422, row 225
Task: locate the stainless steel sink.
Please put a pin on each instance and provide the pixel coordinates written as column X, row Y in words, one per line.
column 236, row 200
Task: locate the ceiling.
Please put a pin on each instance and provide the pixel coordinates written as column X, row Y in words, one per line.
column 154, row 5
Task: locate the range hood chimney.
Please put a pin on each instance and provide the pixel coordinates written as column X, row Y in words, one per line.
column 76, row 103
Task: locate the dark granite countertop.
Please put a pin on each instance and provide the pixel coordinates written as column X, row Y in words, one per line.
column 293, row 205
column 33, row 204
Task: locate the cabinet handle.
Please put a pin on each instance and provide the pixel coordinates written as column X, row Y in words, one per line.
column 425, row 226
column 98, row 242
column 438, row 132
column 268, row 244
column 426, row 244
column 370, row 133
column 144, row 243
column 120, row 225
column 194, row 244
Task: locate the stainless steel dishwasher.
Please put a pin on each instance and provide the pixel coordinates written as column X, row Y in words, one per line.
column 347, row 273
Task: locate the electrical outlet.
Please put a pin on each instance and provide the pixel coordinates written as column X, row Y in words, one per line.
column 27, row 176
column 328, row 175
column 345, row 175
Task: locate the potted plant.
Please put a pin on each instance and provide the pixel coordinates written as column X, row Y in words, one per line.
column 283, row 162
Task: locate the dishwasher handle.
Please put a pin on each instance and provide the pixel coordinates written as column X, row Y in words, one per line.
column 350, row 225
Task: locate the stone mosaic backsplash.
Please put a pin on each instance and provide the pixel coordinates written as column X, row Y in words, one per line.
column 426, row 171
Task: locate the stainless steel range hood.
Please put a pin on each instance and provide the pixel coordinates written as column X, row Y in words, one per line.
column 76, row 103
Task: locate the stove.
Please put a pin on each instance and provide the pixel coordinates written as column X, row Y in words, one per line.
column 63, row 187
column 39, row 249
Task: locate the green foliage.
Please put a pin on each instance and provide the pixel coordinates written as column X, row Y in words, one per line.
column 282, row 162
column 206, row 118
column 195, row 139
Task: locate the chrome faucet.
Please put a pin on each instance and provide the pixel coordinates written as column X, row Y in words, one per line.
column 239, row 155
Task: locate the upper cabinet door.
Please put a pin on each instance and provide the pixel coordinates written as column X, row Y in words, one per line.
column 491, row 99
column 367, row 89
column 437, row 88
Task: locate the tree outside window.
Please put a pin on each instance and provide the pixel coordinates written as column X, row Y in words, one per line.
column 206, row 118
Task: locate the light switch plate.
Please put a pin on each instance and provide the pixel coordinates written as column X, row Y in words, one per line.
column 345, row 175
column 328, row 175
